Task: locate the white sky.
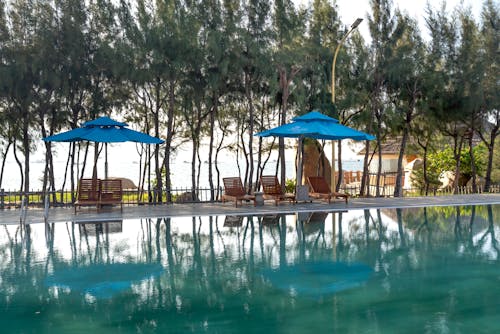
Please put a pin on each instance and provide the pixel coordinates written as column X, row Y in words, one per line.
column 350, row 10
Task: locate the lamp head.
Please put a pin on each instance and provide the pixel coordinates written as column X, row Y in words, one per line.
column 356, row 23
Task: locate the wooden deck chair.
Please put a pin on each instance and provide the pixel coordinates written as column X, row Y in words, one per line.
column 88, row 193
column 272, row 189
column 111, row 192
column 234, row 191
column 320, row 189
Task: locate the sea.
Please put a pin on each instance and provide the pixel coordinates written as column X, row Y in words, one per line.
column 124, row 161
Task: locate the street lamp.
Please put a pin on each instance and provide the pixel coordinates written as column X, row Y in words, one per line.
column 353, row 26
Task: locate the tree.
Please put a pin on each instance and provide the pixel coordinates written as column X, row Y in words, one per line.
column 469, row 82
column 404, row 82
column 444, row 97
column 382, row 24
column 489, row 113
column 22, row 78
column 288, row 30
column 255, row 42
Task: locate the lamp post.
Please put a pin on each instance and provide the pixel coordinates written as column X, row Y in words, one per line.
column 353, row 26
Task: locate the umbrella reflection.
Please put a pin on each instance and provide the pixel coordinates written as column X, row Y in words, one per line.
column 317, row 279
column 102, row 280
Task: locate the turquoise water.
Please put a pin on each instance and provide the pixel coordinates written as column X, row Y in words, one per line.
column 432, row 270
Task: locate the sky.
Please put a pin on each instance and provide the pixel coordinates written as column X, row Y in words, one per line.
column 350, row 10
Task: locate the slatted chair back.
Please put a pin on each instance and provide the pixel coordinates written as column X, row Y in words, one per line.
column 88, row 190
column 270, row 185
column 111, row 191
column 318, row 184
column 233, row 186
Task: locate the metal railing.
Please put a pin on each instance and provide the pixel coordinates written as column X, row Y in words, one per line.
column 15, row 199
column 37, row 198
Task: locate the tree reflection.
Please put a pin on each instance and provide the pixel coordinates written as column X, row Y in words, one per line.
column 213, row 267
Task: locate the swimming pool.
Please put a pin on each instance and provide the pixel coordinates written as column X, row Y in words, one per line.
column 433, row 270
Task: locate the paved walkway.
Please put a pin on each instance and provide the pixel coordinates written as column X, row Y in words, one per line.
column 34, row 215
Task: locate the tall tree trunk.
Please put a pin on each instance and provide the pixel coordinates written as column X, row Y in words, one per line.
column 284, row 104
column 398, row 188
column 216, row 163
column 491, row 151
column 340, row 179
column 284, row 80
column 4, row 159
column 365, row 178
column 212, row 117
column 20, row 165
column 26, row 148
column 472, row 162
column 168, row 139
column 248, row 93
column 457, row 149
column 158, row 191
column 364, row 188
column 426, row 176
column 379, row 154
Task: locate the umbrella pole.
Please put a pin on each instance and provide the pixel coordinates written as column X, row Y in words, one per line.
column 96, row 155
column 105, row 160
column 333, row 185
column 300, row 162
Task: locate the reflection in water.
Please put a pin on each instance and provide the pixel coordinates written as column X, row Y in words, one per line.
column 102, row 280
column 415, row 270
column 318, row 279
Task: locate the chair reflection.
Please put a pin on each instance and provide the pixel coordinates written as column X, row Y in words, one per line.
column 312, row 221
column 94, row 228
column 270, row 219
column 233, row 221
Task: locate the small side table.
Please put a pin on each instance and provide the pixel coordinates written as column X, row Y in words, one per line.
column 259, row 198
column 302, row 193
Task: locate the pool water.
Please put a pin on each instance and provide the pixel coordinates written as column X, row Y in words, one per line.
column 434, row 270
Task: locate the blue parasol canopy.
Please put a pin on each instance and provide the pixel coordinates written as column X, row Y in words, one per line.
column 104, row 130
column 318, row 126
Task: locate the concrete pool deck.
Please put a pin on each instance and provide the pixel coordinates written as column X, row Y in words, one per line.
column 66, row 214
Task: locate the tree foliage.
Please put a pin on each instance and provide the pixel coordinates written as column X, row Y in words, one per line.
column 211, row 73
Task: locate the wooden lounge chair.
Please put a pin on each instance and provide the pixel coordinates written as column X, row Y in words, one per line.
column 320, row 189
column 234, row 191
column 88, row 193
column 111, row 192
column 272, row 189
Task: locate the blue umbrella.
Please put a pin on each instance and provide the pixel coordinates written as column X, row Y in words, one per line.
column 317, row 126
column 104, row 130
